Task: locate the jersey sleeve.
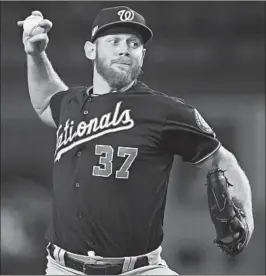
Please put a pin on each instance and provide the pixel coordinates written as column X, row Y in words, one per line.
column 187, row 134
column 55, row 105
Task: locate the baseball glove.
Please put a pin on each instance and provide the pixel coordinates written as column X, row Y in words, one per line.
column 229, row 220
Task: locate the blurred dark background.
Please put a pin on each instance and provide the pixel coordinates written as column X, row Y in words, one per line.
column 209, row 53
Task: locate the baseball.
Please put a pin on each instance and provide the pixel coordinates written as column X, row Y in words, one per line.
column 31, row 26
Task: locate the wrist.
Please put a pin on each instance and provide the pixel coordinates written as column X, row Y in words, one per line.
column 36, row 54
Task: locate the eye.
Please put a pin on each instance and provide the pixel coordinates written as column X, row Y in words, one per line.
column 134, row 44
column 113, row 41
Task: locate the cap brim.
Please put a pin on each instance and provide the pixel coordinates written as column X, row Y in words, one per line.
column 145, row 32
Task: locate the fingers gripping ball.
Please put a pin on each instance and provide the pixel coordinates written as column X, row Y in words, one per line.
column 31, row 27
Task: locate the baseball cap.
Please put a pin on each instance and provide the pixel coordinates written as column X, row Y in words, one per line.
column 112, row 18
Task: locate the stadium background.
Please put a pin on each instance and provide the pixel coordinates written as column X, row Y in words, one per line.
column 209, row 53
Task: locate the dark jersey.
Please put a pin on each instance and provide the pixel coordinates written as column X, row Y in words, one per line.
column 112, row 162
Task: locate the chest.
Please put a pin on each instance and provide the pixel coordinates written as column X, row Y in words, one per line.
column 115, row 123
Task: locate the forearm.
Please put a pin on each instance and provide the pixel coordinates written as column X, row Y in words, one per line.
column 43, row 81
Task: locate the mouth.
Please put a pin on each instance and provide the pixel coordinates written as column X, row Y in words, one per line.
column 122, row 65
column 126, row 63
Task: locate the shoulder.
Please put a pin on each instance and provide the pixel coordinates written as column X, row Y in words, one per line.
column 168, row 99
column 77, row 90
column 71, row 93
column 178, row 110
column 160, row 96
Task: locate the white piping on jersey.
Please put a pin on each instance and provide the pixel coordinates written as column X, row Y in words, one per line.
column 207, row 156
column 85, row 131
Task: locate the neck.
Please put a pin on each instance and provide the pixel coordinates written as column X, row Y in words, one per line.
column 101, row 86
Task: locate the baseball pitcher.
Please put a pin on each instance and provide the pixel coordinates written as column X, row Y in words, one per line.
column 115, row 144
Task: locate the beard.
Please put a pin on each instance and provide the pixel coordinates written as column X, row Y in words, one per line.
column 117, row 78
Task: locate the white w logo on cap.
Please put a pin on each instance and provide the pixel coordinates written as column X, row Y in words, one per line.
column 126, row 15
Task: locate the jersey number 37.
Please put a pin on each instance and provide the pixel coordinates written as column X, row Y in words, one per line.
column 106, row 153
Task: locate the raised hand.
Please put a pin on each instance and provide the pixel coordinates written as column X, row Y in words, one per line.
column 35, row 29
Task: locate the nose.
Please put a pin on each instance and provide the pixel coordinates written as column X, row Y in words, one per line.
column 123, row 49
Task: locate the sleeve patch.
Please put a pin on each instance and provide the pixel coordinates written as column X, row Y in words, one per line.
column 201, row 123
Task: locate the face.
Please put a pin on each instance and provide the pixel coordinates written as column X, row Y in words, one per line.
column 119, row 58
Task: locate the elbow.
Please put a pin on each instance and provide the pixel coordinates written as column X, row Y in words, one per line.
column 221, row 158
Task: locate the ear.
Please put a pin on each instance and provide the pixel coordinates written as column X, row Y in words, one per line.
column 143, row 55
column 90, row 50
